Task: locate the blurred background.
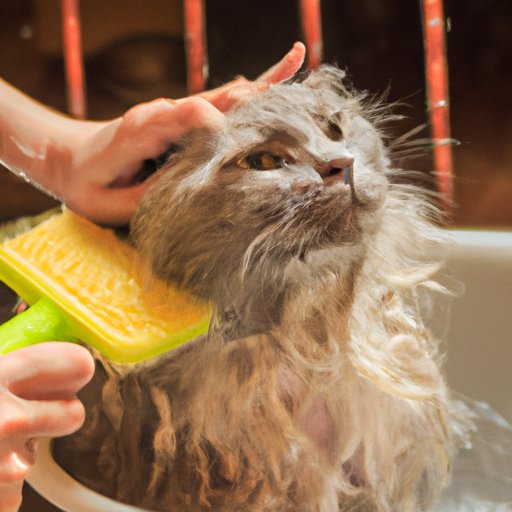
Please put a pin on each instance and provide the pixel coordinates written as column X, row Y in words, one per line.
column 134, row 52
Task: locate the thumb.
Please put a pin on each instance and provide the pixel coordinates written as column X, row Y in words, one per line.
column 112, row 206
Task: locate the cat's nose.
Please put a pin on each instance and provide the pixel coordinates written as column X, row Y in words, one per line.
column 336, row 169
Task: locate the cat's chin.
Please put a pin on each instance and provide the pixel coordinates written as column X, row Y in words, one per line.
column 347, row 215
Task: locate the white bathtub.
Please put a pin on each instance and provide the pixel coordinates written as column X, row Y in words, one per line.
column 479, row 365
column 479, row 337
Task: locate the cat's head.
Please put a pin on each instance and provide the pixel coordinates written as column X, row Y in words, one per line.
column 297, row 169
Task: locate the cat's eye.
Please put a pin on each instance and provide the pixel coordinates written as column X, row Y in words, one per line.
column 261, row 161
column 334, row 131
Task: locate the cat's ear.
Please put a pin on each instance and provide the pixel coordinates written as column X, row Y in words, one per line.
column 328, row 77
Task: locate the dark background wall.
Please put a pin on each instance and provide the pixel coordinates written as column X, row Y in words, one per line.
column 134, row 52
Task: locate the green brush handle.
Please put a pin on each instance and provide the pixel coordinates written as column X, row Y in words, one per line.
column 43, row 321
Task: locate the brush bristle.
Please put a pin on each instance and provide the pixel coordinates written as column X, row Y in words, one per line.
column 102, row 286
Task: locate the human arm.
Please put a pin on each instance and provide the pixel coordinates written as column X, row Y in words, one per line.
column 92, row 166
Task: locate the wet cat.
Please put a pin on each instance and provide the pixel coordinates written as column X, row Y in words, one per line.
column 317, row 387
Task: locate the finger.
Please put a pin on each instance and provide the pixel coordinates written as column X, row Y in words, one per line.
column 55, row 418
column 220, row 96
column 224, row 98
column 25, row 419
column 10, row 497
column 112, row 206
column 47, row 371
column 232, row 93
column 17, row 459
column 286, row 67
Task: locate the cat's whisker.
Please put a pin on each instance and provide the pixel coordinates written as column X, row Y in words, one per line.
column 348, row 176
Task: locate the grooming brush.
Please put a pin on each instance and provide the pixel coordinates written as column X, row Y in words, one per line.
column 84, row 284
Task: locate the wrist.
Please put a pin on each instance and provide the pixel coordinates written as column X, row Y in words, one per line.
column 52, row 171
column 37, row 143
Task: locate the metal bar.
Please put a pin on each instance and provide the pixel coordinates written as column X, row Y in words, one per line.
column 195, row 44
column 436, row 70
column 311, row 20
column 73, row 58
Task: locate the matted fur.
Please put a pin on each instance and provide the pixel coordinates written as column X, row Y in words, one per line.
column 318, row 387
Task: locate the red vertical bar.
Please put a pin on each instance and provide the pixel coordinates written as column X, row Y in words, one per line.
column 436, row 69
column 312, row 28
column 73, row 59
column 195, row 43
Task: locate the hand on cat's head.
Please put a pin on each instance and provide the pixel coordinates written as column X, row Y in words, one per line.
column 102, row 177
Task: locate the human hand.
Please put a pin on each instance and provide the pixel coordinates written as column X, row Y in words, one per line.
column 38, row 385
column 93, row 167
column 100, row 182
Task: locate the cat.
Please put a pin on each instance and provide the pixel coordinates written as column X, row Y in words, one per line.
column 317, row 388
